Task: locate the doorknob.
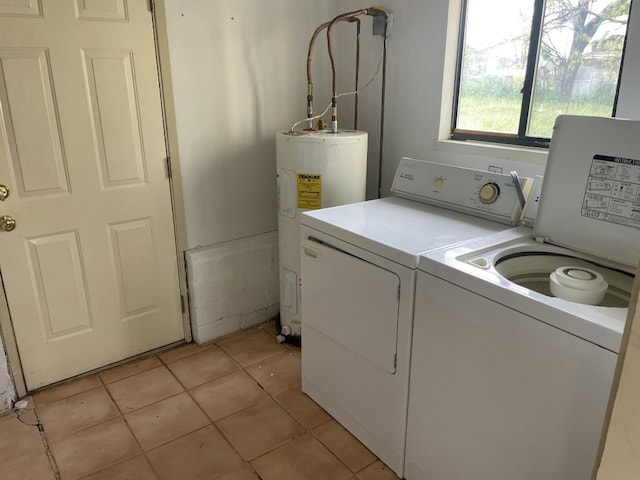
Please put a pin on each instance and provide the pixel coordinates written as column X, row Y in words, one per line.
column 7, row 223
column 4, row 193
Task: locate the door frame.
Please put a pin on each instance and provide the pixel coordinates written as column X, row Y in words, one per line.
column 158, row 17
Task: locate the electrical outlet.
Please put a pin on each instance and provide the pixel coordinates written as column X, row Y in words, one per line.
column 382, row 24
column 379, row 25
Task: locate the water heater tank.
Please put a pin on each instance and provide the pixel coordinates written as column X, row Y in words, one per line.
column 314, row 170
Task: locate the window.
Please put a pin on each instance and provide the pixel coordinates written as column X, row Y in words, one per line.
column 521, row 63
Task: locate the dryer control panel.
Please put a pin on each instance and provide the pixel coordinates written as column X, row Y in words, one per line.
column 490, row 195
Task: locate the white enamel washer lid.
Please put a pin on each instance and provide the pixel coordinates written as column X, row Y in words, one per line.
column 590, row 199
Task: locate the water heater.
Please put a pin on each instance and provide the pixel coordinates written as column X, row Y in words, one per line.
column 315, row 169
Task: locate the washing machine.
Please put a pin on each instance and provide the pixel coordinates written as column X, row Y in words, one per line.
column 358, row 271
column 516, row 335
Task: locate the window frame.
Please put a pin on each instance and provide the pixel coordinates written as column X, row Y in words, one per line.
column 520, row 138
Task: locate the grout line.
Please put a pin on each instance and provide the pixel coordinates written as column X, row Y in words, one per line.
column 52, row 460
column 45, row 442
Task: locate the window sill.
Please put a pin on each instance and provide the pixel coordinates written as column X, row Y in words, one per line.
column 532, row 155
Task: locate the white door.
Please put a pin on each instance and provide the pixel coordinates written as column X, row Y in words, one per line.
column 90, row 270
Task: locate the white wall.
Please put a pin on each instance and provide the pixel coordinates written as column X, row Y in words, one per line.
column 238, row 72
column 239, row 75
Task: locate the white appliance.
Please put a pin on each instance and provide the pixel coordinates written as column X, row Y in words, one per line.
column 315, row 169
column 358, row 265
column 507, row 381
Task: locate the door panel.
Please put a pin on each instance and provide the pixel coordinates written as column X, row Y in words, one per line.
column 30, row 127
column 114, row 10
column 132, row 247
column 60, row 284
column 110, row 83
column 352, row 301
column 32, row 8
column 90, row 271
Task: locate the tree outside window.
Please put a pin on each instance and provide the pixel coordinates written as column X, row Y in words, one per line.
column 524, row 62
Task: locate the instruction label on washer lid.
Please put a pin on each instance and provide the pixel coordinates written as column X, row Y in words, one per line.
column 309, row 191
column 612, row 193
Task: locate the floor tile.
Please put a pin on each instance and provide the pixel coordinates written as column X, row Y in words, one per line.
column 245, row 473
column 203, row 454
column 278, row 373
column 259, row 428
column 253, row 347
column 303, row 458
column 16, row 437
column 129, row 369
column 136, row 468
column 270, row 328
column 27, row 467
column 183, row 351
column 94, row 449
column 377, row 471
column 307, row 412
column 246, row 383
column 344, row 446
column 65, row 390
column 166, row 420
column 144, row 389
column 227, row 395
column 77, row 412
column 202, row 367
column 22, row 452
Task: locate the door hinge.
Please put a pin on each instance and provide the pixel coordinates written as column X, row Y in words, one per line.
column 169, row 172
column 152, row 5
column 183, row 304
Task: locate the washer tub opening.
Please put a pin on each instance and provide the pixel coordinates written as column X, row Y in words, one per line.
column 532, row 270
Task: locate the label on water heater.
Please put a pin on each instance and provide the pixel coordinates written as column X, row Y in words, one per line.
column 309, row 191
column 612, row 193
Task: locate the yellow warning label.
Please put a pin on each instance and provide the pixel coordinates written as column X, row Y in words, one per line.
column 309, row 189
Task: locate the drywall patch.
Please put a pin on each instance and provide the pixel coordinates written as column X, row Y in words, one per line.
column 7, row 388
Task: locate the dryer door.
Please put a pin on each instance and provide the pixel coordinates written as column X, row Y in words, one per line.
column 352, row 301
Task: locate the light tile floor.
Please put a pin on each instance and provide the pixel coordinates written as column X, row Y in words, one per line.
column 229, row 410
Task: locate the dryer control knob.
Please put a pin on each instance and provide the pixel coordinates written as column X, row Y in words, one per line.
column 489, row 192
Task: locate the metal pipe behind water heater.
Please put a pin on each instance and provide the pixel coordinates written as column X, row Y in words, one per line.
column 315, row 169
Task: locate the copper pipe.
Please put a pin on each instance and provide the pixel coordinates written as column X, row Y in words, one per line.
column 311, row 45
column 312, row 42
column 334, row 98
column 309, row 79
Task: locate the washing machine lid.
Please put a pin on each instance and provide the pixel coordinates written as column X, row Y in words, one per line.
column 590, row 199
